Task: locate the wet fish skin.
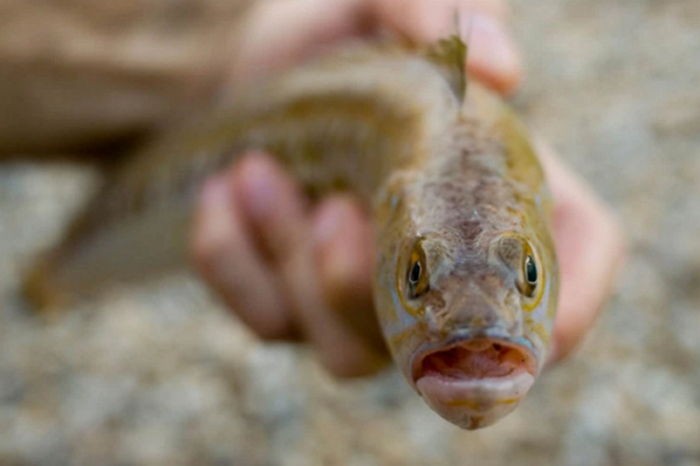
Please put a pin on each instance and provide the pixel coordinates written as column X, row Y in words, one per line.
column 453, row 185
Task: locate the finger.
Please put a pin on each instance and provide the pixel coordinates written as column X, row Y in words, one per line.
column 344, row 244
column 493, row 57
column 427, row 20
column 590, row 248
column 282, row 32
column 273, row 205
column 279, row 33
column 223, row 252
column 277, row 219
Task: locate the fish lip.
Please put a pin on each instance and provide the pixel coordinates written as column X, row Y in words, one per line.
column 463, row 337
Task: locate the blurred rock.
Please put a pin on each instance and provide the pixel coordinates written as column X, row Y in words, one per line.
column 164, row 376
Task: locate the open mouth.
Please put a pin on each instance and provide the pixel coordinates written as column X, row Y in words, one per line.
column 475, row 359
column 474, row 382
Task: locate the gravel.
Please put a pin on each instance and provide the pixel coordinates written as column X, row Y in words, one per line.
column 162, row 375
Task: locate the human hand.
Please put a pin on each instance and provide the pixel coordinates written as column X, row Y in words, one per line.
column 290, row 270
column 590, row 249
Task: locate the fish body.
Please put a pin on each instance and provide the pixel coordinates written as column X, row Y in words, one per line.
column 466, row 278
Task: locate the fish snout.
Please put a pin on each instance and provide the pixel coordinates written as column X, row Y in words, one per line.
column 475, row 311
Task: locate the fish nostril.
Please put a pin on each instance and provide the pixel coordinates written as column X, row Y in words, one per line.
column 497, row 347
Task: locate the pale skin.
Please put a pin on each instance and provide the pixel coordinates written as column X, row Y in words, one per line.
column 294, row 270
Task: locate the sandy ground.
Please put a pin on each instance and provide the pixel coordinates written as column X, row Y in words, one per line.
column 161, row 375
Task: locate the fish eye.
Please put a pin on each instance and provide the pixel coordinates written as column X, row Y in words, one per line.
column 528, row 285
column 522, row 260
column 531, row 271
column 416, row 275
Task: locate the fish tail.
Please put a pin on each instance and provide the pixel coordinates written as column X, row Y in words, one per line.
column 125, row 253
column 37, row 290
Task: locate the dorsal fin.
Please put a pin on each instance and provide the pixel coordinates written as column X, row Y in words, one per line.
column 450, row 54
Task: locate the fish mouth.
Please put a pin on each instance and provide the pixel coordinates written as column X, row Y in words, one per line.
column 474, row 382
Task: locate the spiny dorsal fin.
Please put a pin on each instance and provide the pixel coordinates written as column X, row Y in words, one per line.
column 450, row 54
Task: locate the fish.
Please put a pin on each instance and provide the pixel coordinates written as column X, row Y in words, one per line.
column 466, row 278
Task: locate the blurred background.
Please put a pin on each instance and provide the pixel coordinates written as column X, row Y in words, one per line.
column 162, row 375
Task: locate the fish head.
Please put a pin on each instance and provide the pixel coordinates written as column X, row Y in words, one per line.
column 467, row 311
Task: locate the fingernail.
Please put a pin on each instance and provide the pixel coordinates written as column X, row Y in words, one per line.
column 259, row 184
column 491, row 47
